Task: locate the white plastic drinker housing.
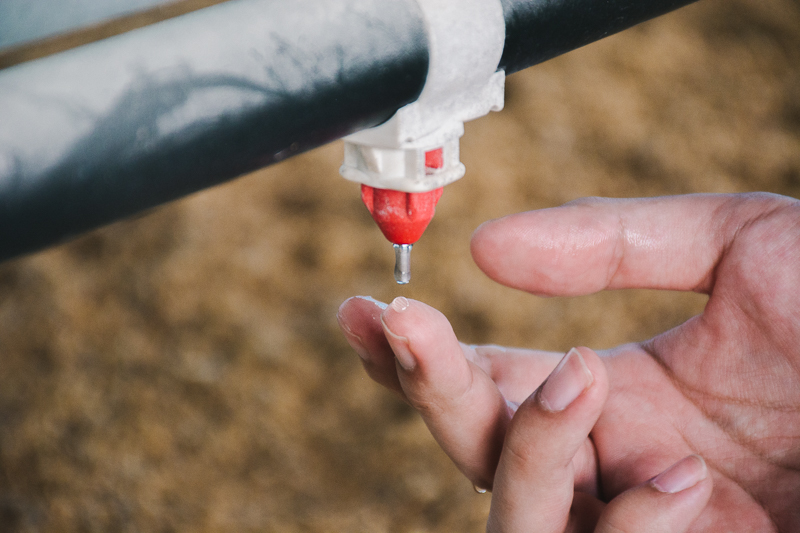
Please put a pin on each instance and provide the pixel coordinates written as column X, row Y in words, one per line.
column 465, row 41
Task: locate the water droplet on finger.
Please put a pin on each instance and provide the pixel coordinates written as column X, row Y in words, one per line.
column 479, row 490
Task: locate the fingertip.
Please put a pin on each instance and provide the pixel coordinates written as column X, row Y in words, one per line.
column 481, row 228
column 579, row 378
column 479, row 235
column 391, row 320
column 359, row 320
column 567, row 381
column 345, row 305
column 362, row 302
column 580, row 373
column 594, row 363
column 421, row 336
column 359, row 309
column 684, row 474
column 399, row 343
column 485, row 247
column 536, row 252
column 415, row 321
column 547, row 451
column 671, row 501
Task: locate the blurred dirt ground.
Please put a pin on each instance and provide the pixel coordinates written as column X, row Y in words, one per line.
column 183, row 371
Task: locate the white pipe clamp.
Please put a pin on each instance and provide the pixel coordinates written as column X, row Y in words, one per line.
column 465, row 43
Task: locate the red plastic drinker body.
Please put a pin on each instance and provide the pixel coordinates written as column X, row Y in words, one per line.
column 403, row 216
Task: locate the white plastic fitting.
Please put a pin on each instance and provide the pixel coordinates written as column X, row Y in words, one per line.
column 465, row 41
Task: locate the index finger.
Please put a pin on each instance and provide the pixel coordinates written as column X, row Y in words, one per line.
column 594, row 244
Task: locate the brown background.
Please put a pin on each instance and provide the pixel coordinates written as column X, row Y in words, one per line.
column 183, row 371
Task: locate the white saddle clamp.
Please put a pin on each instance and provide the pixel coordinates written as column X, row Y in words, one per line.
column 465, row 42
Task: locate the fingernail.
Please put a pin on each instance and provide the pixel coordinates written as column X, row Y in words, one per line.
column 684, row 474
column 512, row 407
column 353, row 340
column 570, row 378
column 400, row 346
column 373, row 301
column 356, row 342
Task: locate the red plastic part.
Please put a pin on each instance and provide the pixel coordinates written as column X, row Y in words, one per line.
column 434, row 159
column 403, row 216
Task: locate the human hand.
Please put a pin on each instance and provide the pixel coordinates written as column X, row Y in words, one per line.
column 724, row 385
column 534, row 485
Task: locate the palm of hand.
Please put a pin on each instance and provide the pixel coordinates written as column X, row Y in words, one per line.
column 725, row 385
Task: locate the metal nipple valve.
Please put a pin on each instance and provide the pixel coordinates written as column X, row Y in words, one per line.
column 402, row 263
column 404, row 216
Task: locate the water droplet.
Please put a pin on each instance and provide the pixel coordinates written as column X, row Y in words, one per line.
column 479, row 490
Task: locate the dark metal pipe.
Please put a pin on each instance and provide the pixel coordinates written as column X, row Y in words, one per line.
column 101, row 132
column 109, row 129
column 538, row 30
